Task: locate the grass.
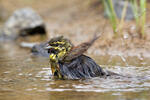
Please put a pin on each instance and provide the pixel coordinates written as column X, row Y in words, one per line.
column 123, row 17
column 109, row 9
column 139, row 10
column 117, row 25
column 143, row 16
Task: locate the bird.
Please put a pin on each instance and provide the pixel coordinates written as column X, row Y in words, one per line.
column 69, row 62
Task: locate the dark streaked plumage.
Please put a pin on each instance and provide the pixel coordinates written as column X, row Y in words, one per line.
column 80, row 67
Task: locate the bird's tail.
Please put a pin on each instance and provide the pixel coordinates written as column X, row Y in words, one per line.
column 95, row 37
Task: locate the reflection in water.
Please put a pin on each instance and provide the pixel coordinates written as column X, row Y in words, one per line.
column 25, row 77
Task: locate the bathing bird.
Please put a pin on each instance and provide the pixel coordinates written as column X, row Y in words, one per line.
column 69, row 62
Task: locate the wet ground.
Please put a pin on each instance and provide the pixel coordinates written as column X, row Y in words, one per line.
column 27, row 77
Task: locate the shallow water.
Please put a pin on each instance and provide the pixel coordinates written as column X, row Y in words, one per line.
column 26, row 77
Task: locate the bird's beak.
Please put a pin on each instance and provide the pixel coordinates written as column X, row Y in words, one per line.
column 48, row 47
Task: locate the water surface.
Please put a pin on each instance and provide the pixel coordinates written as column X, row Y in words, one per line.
column 26, row 77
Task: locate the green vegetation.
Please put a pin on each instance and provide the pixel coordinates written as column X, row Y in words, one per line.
column 108, row 6
column 116, row 24
column 140, row 15
column 123, row 17
column 139, row 10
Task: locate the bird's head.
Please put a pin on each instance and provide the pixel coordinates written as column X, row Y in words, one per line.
column 58, row 47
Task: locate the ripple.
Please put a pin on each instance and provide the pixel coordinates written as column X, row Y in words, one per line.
column 135, row 81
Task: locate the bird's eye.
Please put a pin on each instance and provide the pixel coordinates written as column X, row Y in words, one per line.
column 52, row 51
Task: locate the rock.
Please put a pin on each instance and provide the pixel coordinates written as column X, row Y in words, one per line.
column 5, row 37
column 36, row 48
column 24, row 21
column 118, row 7
column 39, row 50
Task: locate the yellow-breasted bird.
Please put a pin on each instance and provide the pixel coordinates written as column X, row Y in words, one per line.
column 69, row 62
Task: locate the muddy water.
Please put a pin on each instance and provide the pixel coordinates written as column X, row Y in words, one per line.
column 25, row 77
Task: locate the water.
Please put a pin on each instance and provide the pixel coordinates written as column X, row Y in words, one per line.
column 26, row 77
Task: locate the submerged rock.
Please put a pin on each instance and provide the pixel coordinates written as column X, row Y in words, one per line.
column 24, row 21
column 39, row 49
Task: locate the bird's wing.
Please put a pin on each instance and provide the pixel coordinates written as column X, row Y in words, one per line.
column 80, row 49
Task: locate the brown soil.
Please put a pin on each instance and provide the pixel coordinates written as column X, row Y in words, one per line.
column 79, row 20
